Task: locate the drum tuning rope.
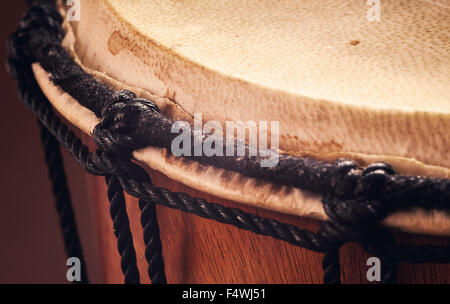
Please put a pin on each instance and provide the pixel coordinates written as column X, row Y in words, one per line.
column 355, row 199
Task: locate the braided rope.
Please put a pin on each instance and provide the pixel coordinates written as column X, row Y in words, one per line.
column 122, row 231
column 356, row 200
column 330, row 265
column 153, row 247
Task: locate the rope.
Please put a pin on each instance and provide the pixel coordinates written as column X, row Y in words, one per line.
column 63, row 203
column 122, row 231
column 330, row 265
column 153, row 247
column 355, row 199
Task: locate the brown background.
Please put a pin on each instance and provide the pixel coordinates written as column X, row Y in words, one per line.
column 31, row 248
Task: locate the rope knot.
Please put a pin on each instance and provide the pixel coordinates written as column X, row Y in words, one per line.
column 103, row 163
column 100, row 163
column 344, row 181
column 354, row 212
column 353, row 201
column 373, row 179
column 120, row 132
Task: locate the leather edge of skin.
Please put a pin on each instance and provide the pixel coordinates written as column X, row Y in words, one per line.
column 231, row 185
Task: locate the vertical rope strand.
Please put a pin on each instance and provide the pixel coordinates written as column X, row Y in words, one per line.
column 389, row 269
column 63, row 201
column 121, row 226
column 331, row 267
column 152, row 240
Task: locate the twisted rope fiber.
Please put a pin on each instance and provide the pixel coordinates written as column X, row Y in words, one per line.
column 63, row 202
column 121, row 226
column 330, row 265
column 353, row 218
column 153, row 246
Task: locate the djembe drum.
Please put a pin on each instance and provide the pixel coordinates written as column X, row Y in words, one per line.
column 356, row 164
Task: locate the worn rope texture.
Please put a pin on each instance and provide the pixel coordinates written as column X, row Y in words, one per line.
column 121, row 226
column 356, row 200
column 63, row 202
column 153, row 246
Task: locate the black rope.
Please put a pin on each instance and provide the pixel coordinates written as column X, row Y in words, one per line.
column 63, row 203
column 330, row 265
column 153, row 247
column 122, row 231
column 355, row 199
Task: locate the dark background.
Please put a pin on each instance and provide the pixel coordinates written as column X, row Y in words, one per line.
column 31, row 247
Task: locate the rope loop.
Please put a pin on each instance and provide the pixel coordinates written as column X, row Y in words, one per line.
column 353, row 199
column 345, row 178
column 354, row 212
column 374, row 178
column 120, row 130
